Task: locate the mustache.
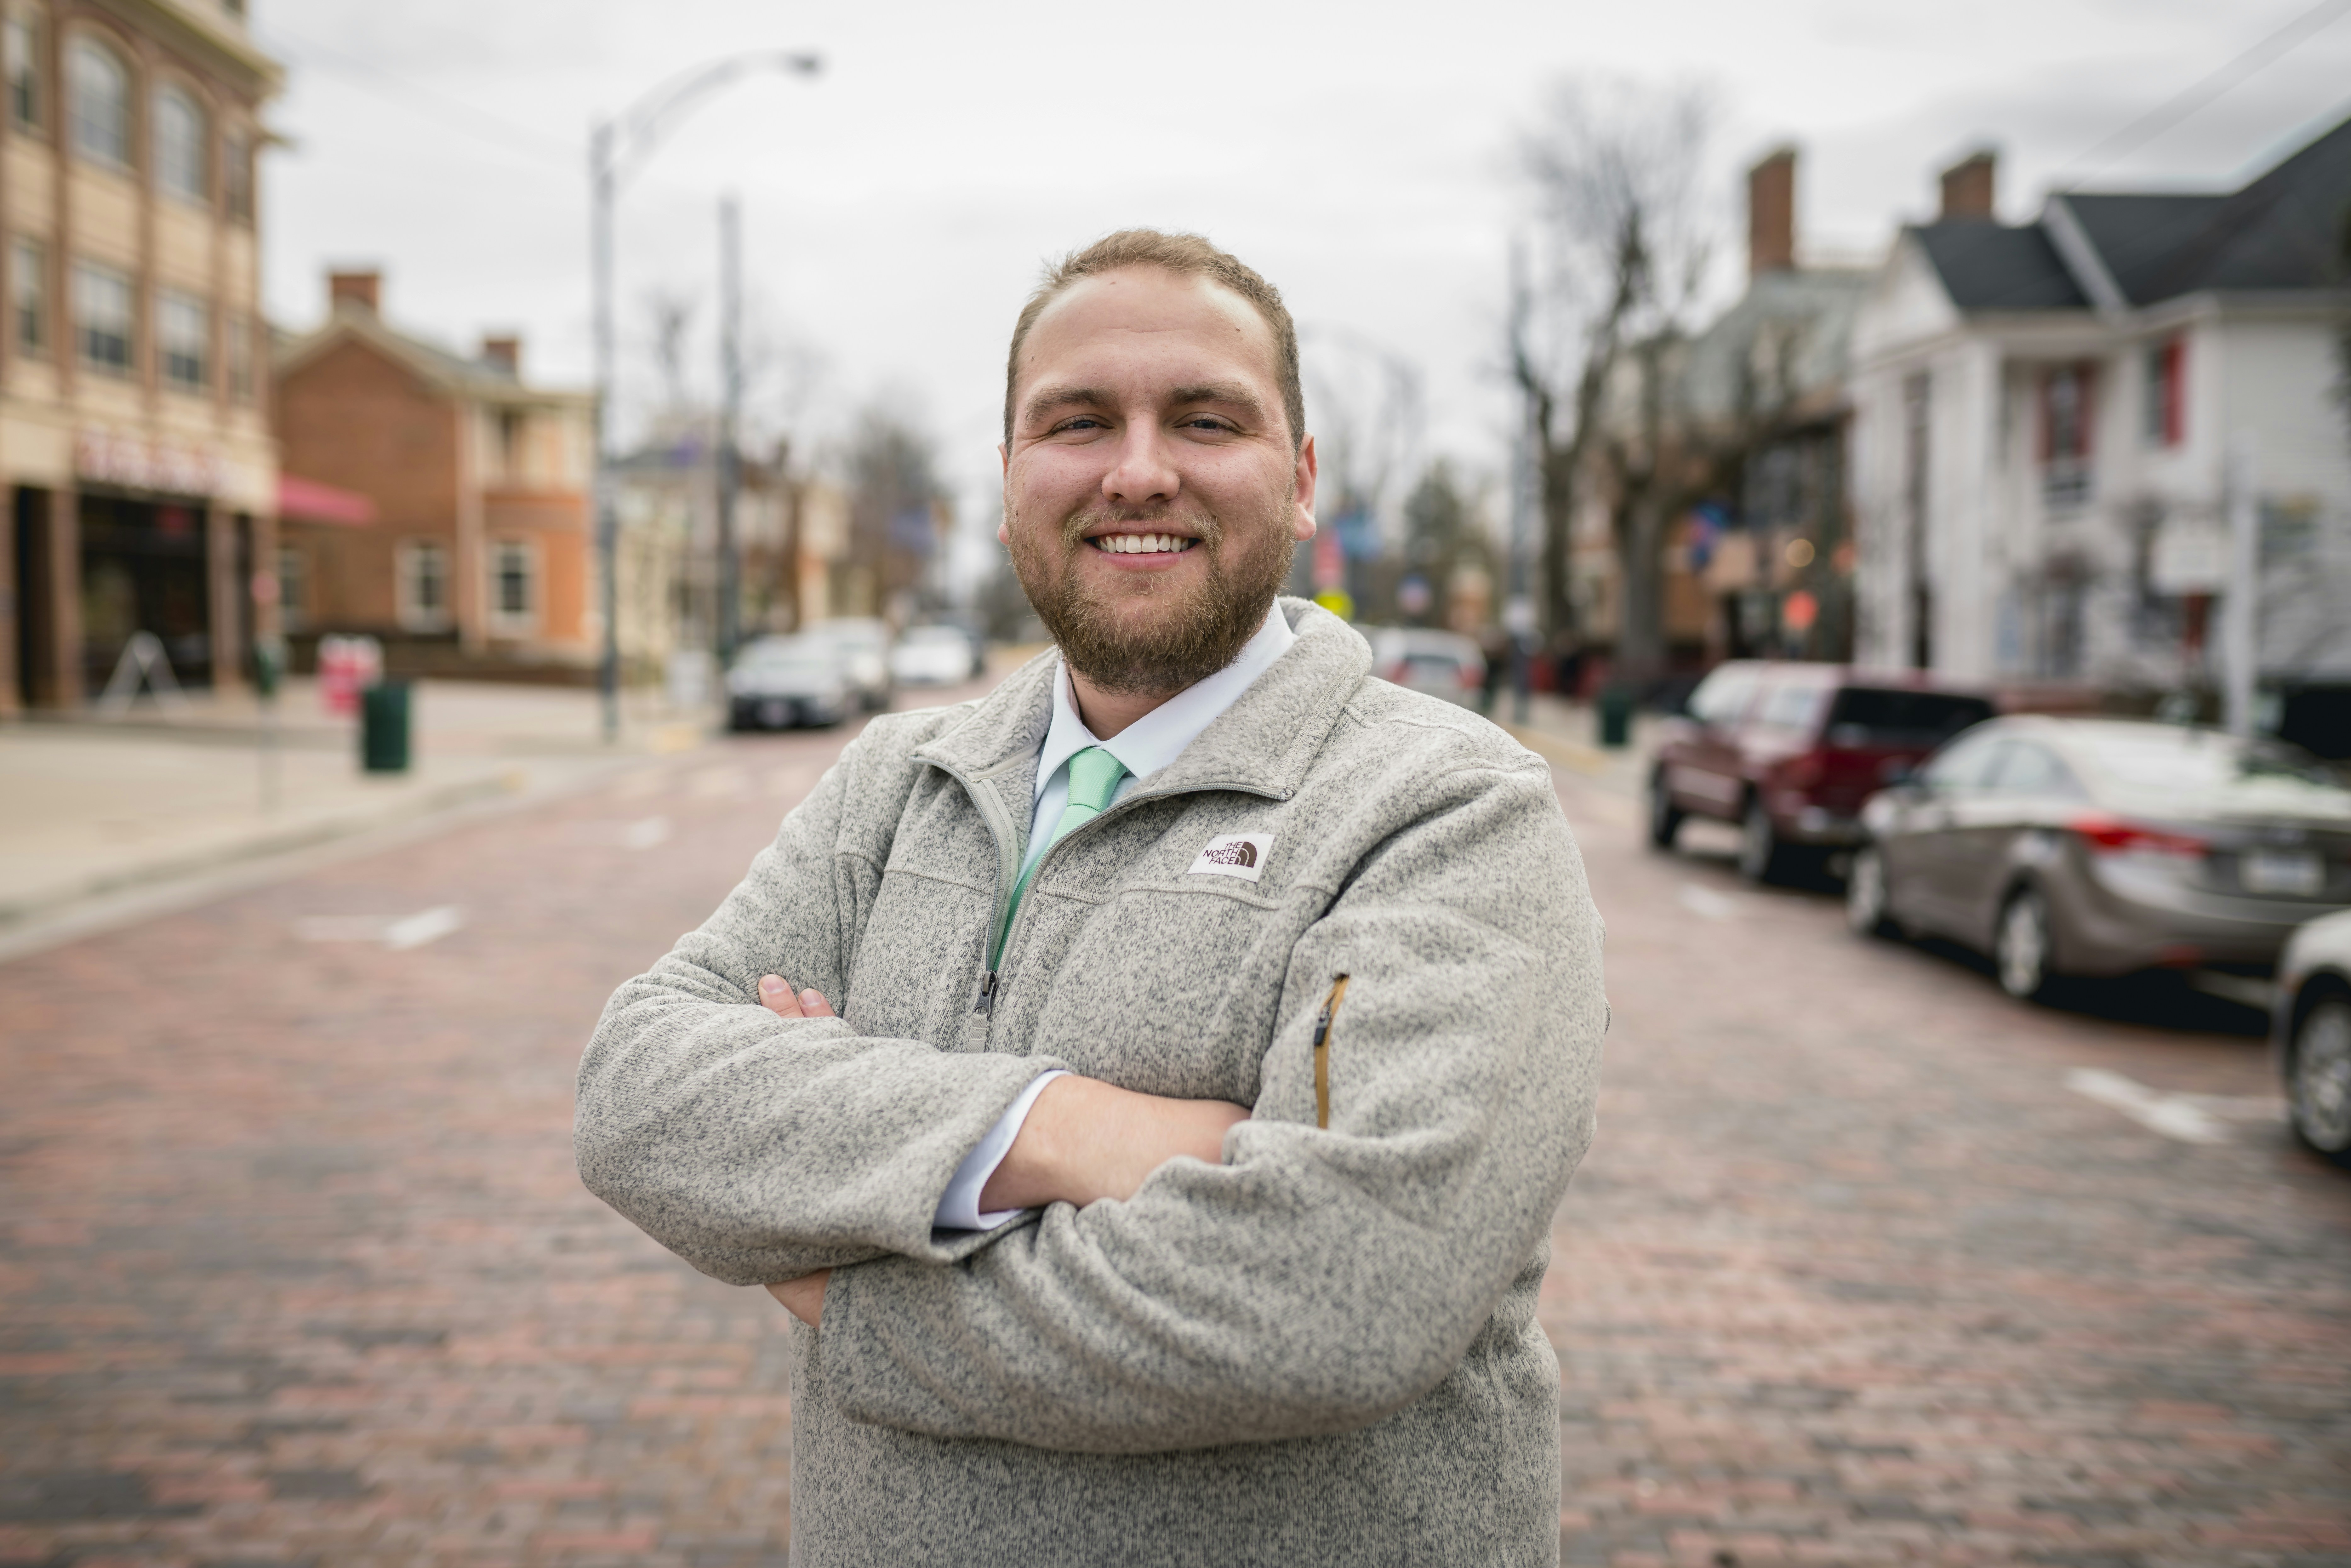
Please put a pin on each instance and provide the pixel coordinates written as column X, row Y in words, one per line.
column 1204, row 524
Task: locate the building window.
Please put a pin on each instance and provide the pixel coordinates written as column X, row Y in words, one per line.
column 2067, row 411
column 237, row 175
column 511, row 424
column 240, row 358
column 423, row 586
column 2165, row 415
column 21, row 43
column 101, row 108
column 293, row 589
column 183, row 340
column 104, row 318
column 181, row 142
column 28, row 295
column 514, row 585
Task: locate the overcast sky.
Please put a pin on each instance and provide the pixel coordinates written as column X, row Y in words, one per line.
column 896, row 209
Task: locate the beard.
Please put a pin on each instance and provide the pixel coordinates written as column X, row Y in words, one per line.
column 1153, row 638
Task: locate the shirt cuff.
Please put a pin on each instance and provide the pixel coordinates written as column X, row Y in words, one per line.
column 959, row 1208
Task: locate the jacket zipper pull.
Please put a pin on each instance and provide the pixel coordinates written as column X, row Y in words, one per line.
column 987, row 993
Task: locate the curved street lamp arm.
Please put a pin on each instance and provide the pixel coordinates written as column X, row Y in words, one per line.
column 637, row 130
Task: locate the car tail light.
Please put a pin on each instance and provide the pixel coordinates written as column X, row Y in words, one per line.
column 1471, row 680
column 2112, row 836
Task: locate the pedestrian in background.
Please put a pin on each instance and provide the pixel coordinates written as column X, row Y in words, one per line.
column 1148, row 1087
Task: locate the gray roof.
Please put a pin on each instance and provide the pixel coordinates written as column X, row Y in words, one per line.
column 2285, row 231
column 1989, row 266
column 1810, row 312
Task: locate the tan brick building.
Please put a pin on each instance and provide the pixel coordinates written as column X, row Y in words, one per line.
column 463, row 536
column 134, row 444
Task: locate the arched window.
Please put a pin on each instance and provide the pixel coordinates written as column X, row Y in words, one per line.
column 101, row 108
column 182, row 137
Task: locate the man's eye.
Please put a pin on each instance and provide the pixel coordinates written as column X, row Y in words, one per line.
column 1203, row 421
column 1083, row 422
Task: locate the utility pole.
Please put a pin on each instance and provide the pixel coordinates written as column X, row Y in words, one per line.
column 601, row 178
column 730, row 412
column 611, row 144
column 1519, row 605
column 2240, row 613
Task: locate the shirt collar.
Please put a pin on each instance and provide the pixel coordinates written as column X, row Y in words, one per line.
column 1159, row 736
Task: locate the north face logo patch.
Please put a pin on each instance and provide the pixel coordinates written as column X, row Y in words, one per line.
column 1234, row 855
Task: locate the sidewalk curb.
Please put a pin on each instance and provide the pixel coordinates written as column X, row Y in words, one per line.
column 166, row 887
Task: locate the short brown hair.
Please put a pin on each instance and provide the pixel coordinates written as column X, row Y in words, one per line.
column 1186, row 256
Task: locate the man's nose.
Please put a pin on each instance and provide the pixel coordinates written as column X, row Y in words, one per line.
column 1144, row 471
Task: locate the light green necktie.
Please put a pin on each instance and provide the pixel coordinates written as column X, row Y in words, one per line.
column 1093, row 779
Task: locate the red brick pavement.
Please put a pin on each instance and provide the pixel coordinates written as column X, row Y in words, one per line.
column 293, row 1267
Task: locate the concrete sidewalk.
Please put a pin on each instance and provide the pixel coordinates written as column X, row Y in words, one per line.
column 94, row 806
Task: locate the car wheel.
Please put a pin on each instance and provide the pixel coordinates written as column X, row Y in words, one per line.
column 1866, row 907
column 2318, row 1079
column 1762, row 858
column 1664, row 817
column 2020, row 947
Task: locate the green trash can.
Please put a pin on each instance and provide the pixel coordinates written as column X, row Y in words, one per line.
column 1615, row 716
column 383, row 727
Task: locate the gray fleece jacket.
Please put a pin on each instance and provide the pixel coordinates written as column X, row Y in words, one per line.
column 1323, row 1350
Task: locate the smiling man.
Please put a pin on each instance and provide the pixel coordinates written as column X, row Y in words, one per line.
column 1147, row 1087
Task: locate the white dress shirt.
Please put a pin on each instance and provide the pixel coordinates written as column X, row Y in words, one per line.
column 1145, row 747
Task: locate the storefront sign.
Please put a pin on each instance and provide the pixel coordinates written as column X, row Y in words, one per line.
column 136, row 463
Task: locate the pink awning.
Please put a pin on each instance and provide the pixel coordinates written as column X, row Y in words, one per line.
column 307, row 501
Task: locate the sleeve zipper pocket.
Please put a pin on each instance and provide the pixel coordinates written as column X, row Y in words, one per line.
column 1322, row 1052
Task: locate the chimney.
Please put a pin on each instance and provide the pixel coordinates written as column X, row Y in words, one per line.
column 505, row 353
column 1967, row 186
column 1772, row 214
column 359, row 288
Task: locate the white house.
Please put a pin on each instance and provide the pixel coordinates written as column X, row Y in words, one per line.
column 2041, row 416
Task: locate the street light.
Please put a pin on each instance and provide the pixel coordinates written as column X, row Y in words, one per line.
column 614, row 149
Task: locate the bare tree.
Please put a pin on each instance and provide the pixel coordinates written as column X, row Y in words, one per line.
column 670, row 314
column 1616, row 167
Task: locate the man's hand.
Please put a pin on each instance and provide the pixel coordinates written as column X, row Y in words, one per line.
column 1085, row 1140
column 777, row 998
column 803, row 1297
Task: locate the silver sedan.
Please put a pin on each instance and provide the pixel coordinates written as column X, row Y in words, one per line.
column 2312, row 1030
column 2106, row 846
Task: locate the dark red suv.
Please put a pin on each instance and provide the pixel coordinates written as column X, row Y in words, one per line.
column 1790, row 752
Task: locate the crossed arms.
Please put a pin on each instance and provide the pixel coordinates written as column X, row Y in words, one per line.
column 1285, row 1281
column 1083, row 1142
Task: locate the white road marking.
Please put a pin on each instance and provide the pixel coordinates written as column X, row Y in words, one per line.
column 399, row 933
column 1707, row 902
column 645, row 834
column 425, row 926
column 2191, row 1118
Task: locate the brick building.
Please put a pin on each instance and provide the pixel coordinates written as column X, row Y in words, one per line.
column 439, row 502
column 134, row 444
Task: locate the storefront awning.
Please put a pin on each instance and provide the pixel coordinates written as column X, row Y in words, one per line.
column 307, row 501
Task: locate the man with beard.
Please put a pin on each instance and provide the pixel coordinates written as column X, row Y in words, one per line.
column 1147, row 1087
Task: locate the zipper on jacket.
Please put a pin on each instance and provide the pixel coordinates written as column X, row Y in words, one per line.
column 1008, row 871
column 1322, row 1052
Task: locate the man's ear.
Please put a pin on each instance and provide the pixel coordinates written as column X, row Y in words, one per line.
column 1301, row 525
column 1004, row 457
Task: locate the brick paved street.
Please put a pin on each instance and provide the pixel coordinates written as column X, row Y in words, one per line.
column 293, row 1267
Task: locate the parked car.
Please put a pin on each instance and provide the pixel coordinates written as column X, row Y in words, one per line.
column 1789, row 752
column 865, row 644
column 2071, row 846
column 1441, row 664
column 2312, row 1030
column 780, row 682
column 936, row 656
